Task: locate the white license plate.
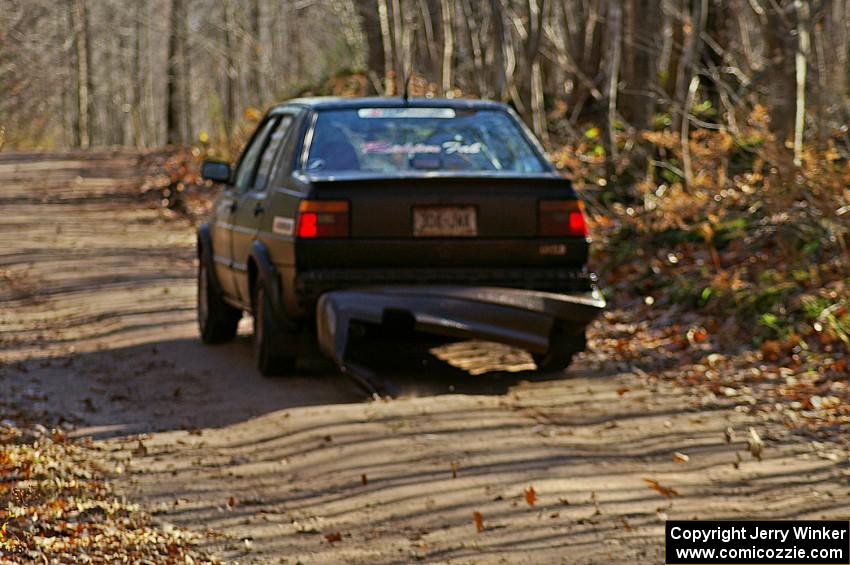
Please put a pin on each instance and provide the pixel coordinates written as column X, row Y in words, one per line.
column 445, row 221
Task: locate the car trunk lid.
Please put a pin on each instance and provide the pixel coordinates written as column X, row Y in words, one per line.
column 444, row 206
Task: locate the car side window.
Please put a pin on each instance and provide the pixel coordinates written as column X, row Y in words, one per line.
column 248, row 164
column 267, row 160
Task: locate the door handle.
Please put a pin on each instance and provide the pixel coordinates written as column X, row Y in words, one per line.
column 259, row 208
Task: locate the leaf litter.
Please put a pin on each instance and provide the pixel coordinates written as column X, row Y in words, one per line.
column 56, row 506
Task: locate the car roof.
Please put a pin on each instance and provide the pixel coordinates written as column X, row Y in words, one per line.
column 345, row 103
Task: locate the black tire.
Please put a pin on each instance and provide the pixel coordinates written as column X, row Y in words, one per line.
column 564, row 345
column 217, row 320
column 268, row 338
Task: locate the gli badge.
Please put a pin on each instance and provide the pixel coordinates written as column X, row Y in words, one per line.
column 552, row 249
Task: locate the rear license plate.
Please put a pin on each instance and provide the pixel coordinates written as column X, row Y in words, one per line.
column 445, row 221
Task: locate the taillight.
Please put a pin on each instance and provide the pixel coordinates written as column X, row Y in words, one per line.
column 562, row 218
column 322, row 218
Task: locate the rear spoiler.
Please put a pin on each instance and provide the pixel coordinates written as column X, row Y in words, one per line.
column 372, row 180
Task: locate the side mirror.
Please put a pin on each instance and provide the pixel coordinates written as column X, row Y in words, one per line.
column 216, row 171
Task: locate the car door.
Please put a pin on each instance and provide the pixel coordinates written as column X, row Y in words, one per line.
column 251, row 207
column 227, row 208
column 220, row 232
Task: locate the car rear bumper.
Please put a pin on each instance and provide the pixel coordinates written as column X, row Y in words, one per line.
column 309, row 285
column 507, row 252
column 522, row 318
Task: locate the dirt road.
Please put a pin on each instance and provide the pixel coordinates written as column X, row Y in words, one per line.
column 97, row 332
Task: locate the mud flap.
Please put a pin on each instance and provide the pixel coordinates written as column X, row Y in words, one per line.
column 520, row 318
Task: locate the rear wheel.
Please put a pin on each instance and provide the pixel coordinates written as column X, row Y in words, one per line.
column 217, row 320
column 268, row 338
column 564, row 345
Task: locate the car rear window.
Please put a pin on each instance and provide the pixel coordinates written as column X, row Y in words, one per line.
column 391, row 140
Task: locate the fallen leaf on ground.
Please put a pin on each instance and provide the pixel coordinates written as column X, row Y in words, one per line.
column 697, row 335
column 333, row 537
column 666, row 492
column 79, row 518
column 755, row 444
column 478, row 519
column 770, row 350
column 530, row 496
column 679, row 457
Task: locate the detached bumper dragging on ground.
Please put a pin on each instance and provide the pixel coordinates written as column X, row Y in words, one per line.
column 521, row 318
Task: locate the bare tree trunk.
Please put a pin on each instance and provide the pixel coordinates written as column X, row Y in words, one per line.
column 780, row 46
column 79, row 18
column 593, row 36
column 686, row 70
column 283, row 44
column 475, row 46
column 387, row 41
column 447, row 18
column 152, row 122
column 186, row 72
column 408, row 24
column 573, row 20
column 172, row 109
column 640, row 64
column 113, row 128
column 614, row 30
column 296, row 43
column 430, row 10
column 90, row 99
column 685, row 134
column 230, row 70
column 499, row 62
column 538, row 109
column 64, row 30
column 717, row 82
column 678, row 22
column 398, row 41
column 137, row 88
column 534, row 10
column 256, row 50
column 802, row 52
column 836, row 29
column 370, row 21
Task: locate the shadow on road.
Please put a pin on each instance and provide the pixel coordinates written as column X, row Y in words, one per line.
column 184, row 384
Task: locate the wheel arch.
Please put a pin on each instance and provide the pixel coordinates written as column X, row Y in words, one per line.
column 261, row 270
column 205, row 254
